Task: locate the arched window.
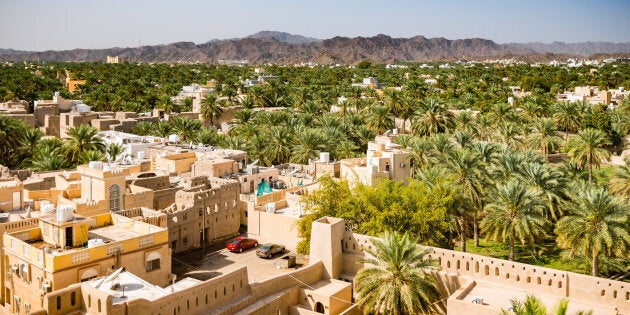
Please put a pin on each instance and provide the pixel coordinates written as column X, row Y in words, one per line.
column 89, row 274
column 319, row 307
column 114, row 198
column 153, row 261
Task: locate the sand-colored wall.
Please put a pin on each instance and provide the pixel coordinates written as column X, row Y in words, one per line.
column 7, row 190
column 273, row 228
column 590, row 290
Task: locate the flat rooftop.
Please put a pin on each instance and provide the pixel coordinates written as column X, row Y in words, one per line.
column 329, row 287
column 8, row 183
column 127, row 286
column 497, row 297
column 112, row 233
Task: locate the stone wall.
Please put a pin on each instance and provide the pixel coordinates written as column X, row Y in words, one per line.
column 599, row 292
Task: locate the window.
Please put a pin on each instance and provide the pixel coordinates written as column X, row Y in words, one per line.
column 114, row 198
column 153, row 261
column 58, row 303
column 27, row 307
column 153, row 265
column 73, row 298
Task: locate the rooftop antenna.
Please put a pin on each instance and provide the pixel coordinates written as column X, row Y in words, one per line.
column 110, row 277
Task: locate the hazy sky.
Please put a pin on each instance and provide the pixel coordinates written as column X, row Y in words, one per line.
column 69, row 24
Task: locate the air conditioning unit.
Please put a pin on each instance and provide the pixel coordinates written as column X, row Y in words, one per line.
column 46, row 287
column 403, row 164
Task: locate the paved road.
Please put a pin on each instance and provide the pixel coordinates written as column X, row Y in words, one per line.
column 218, row 261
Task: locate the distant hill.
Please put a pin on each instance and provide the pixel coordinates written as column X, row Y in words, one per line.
column 285, row 37
column 11, row 52
column 579, row 49
column 285, row 48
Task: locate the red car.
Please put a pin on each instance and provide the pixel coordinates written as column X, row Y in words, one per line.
column 241, row 243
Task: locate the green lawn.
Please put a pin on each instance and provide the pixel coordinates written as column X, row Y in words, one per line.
column 545, row 254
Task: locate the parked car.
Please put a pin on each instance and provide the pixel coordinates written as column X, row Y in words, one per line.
column 241, row 243
column 269, row 250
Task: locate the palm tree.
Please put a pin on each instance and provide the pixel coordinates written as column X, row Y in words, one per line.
column 208, row 136
column 185, row 127
column 9, row 142
column 585, row 149
column 514, row 212
column 534, row 306
column 278, row 146
column 432, row 117
column 379, row 119
column 142, row 128
column 397, row 281
column 552, row 185
column 167, row 104
column 185, row 104
column 163, row 129
column 307, row 145
column 566, row 117
column 28, row 144
column 596, row 226
column 88, row 156
column 83, row 138
column 243, row 116
column 51, row 162
column 619, row 183
column 502, row 112
column 420, row 150
column 465, row 165
column 509, row 134
column 345, row 149
column 113, row 150
column 210, row 109
column 543, row 136
column 531, row 306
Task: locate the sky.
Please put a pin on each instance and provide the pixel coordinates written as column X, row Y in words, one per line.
column 39, row 25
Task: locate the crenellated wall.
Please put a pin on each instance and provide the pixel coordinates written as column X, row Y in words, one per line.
column 587, row 289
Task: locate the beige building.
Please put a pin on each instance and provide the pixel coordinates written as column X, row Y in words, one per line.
column 384, row 159
column 593, row 95
column 67, row 248
column 11, row 194
column 306, row 291
column 207, row 210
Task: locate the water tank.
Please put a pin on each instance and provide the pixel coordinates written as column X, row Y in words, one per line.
column 141, row 155
column 96, row 165
column 173, row 138
column 64, row 213
column 324, row 157
column 94, row 242
column 395, row 131
column 82, row 108
column 271, row 207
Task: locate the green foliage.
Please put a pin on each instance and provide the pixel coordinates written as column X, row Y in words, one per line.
column 416, row 208
column 365, row 64
column 534, row 306
column 396, row 279
column 596, row 226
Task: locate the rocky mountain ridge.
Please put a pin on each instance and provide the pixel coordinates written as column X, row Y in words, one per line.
column 284, row 48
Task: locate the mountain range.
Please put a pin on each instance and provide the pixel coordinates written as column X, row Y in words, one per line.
column 285, row 48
